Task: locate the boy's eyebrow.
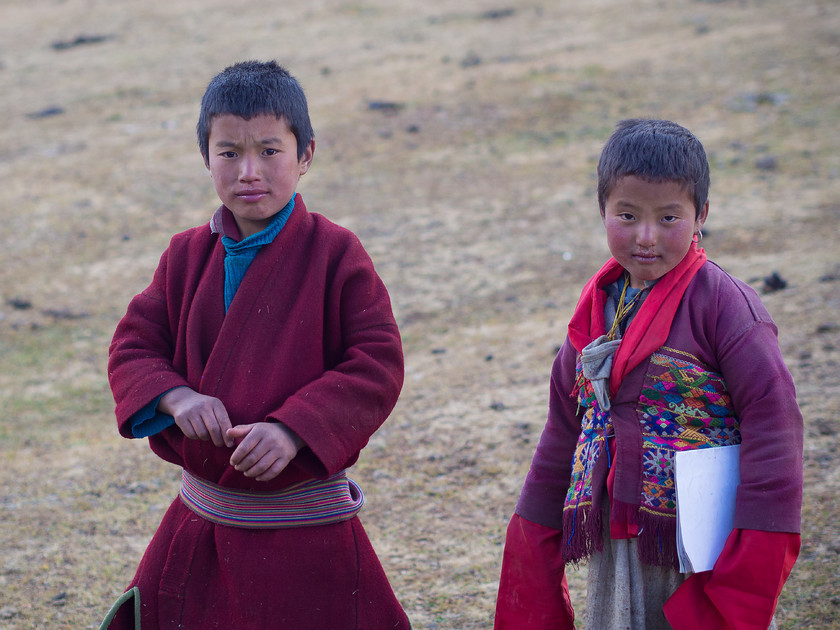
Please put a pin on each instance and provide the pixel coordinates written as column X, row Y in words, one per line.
column 626, row 203
column 271, row 141
column 231, row 143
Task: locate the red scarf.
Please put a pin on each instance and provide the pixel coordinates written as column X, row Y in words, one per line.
column 651, row 325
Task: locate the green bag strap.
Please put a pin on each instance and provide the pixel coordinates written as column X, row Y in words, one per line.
column 133, row 592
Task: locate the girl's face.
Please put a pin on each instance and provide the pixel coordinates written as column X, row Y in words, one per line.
column 650, row 226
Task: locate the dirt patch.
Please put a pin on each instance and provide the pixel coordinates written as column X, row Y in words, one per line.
column 459, row 143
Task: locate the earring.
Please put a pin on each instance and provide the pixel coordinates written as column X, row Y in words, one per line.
column 698, row 236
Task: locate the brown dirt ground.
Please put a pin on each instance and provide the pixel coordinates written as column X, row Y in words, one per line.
column 475, row 196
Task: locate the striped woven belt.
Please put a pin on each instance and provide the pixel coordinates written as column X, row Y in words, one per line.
column 304, row 504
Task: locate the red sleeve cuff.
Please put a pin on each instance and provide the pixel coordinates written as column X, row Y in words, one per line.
column 741, row 591
column 533, row 592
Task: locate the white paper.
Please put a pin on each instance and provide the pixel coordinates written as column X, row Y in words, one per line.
column 706, row 480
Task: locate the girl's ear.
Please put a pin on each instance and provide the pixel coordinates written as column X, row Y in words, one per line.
column 701, row 217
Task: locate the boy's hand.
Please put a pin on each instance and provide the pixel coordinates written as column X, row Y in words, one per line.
column 264, row 450
column 198, row 416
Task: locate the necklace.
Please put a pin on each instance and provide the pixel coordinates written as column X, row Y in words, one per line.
column 624, row 309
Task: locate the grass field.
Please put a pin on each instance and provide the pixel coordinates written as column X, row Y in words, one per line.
column 458, row 140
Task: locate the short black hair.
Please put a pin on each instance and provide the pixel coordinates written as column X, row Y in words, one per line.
column 654, row 150
column 251, row 88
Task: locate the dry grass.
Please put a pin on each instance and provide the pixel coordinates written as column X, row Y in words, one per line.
column 475, row 198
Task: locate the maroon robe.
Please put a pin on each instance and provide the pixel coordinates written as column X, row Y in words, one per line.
column 310, row 341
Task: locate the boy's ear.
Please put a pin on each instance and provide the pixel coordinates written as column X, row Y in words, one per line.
column 306, row 159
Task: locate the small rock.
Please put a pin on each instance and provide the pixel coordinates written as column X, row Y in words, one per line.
column 825, row 426
column 766, row 163
column 389, row 107
column 133, row 488
column 19, row 304
column 770, row 98
column 497, row 14
column 774, row 282
column 63, row 313
column 81, row 40
column 8, row 612
column 522, row 432
column 46, row 112
column 470, row 60
column 751, row 101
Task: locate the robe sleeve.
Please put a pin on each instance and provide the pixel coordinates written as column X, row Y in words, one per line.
column 533, row 591
column 140, row 367
column 741, row 591
column 769, row 496
column 149, row 421
column 336, row 413
column 544, row 492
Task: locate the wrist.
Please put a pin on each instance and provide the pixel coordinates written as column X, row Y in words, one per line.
column 296, row 440
column 294, row 437
column 168, row 400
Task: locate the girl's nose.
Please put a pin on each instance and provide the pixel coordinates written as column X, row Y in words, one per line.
column 646, row 235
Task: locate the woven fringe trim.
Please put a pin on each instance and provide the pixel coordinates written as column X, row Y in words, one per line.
column 582, row 532
column 658, row 539
column 305, row 504
column 584, row 529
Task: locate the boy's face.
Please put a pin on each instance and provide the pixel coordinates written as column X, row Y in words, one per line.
column 650, row 226
column 254, row 166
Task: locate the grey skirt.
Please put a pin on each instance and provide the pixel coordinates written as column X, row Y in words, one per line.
column 624, row 594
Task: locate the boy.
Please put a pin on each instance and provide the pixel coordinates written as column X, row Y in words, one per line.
column 261, row 359
column 665, row 352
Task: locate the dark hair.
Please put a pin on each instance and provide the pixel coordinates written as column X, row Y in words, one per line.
column 251, row 88
column 654, row 150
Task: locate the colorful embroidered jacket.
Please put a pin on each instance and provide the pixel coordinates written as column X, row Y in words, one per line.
column 683, row 405
column 718, row 379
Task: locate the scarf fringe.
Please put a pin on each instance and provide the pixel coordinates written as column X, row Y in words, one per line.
column 582, row 533
column 584, row 529
column 658, row 540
